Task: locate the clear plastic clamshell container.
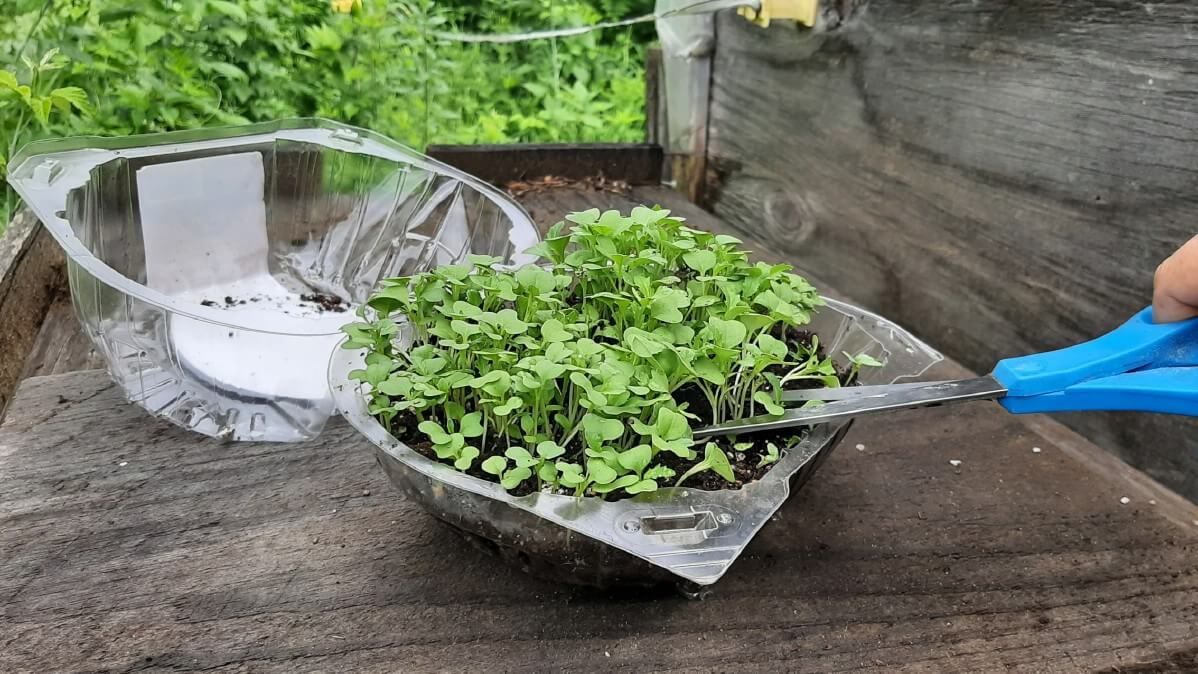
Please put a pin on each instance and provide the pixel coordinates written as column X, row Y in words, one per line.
column 677, row 536
column 213, row 269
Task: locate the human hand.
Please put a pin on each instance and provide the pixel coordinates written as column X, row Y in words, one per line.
column 1175, row 286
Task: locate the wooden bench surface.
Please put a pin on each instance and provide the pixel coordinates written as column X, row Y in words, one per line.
column 131, row 545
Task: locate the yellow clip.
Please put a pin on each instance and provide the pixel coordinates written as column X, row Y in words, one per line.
column 803, row 11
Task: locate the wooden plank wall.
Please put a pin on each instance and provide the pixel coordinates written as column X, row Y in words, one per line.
column 1001, row 177
column 32, row 269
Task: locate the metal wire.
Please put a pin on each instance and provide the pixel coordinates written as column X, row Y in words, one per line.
column 699, row 7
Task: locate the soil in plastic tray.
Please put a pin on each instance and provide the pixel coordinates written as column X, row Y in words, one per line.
column 745, row 462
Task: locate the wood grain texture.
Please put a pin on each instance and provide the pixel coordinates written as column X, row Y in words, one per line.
column 132, row 545
column 31, row 271
column 61, row 345
column 201, row 556
column 1002, row 178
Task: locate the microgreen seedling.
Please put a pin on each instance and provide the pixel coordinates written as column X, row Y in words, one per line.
column 585, row 374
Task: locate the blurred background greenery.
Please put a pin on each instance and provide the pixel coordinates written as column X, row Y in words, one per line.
column 116, row 67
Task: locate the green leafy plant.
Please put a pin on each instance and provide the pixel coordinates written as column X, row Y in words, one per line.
column 29, row 101
column 160, row 65
column 585, row 373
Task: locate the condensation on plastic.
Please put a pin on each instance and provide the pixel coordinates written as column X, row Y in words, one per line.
column 189, row 255
column 671, row 535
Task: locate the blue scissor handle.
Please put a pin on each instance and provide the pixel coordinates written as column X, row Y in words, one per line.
column 1140, row 366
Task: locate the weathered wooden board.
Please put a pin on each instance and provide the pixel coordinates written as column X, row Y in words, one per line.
column 31, row 271
column 131, row 545
column 61, row 345
column 1002, row 178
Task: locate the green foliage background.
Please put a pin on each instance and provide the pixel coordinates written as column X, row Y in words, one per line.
column 157, row 65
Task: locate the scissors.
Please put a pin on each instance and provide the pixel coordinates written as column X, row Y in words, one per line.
column 1141, row 366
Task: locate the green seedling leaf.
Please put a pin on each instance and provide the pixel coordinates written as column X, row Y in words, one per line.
column 637, row 458
column 494, row 465
column 701, row 261
column 514, row 403
column 465, row 309
column 641, row 487
column 495, row 382
column 549, row 449
column 464, row 328
column 726, row 334
column 771, row 346
column 588, row 217
column 709, row 370
column 618, row 483
column 446, row 451
column 864, row 360
column 647, row 216
column 471, row 425
column 552, row 330
column 466, row 458
column 513, row 477
column 667, row 304
column 642, row 343
column 767, row 401
column 658, row 473
column 552, row 249
column 511, row 323
column 676, row 334
column 521, row 457
column 399, row 386
column 714, row 457
column 571, row 474
column 595, row 399
column 435, row 433
column 598, row 430
column 547, row 472
column 548, row 370
column 377, row 372
column 771, row 455
column 587, row 347
column 599, row 472
column 534, row 278
column 671, row 425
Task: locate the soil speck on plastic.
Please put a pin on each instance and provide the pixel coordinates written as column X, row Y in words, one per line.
column 324, row 302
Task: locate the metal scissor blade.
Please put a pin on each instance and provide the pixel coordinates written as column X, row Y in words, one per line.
column 937, row 393
column 853, row 392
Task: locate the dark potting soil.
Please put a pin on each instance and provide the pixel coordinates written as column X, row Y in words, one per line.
column 745, row 462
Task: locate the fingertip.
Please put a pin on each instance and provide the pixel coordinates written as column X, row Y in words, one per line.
column 1166, row 309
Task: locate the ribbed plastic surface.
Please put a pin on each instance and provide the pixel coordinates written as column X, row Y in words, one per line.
column 213, row 269
column 675, row 534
